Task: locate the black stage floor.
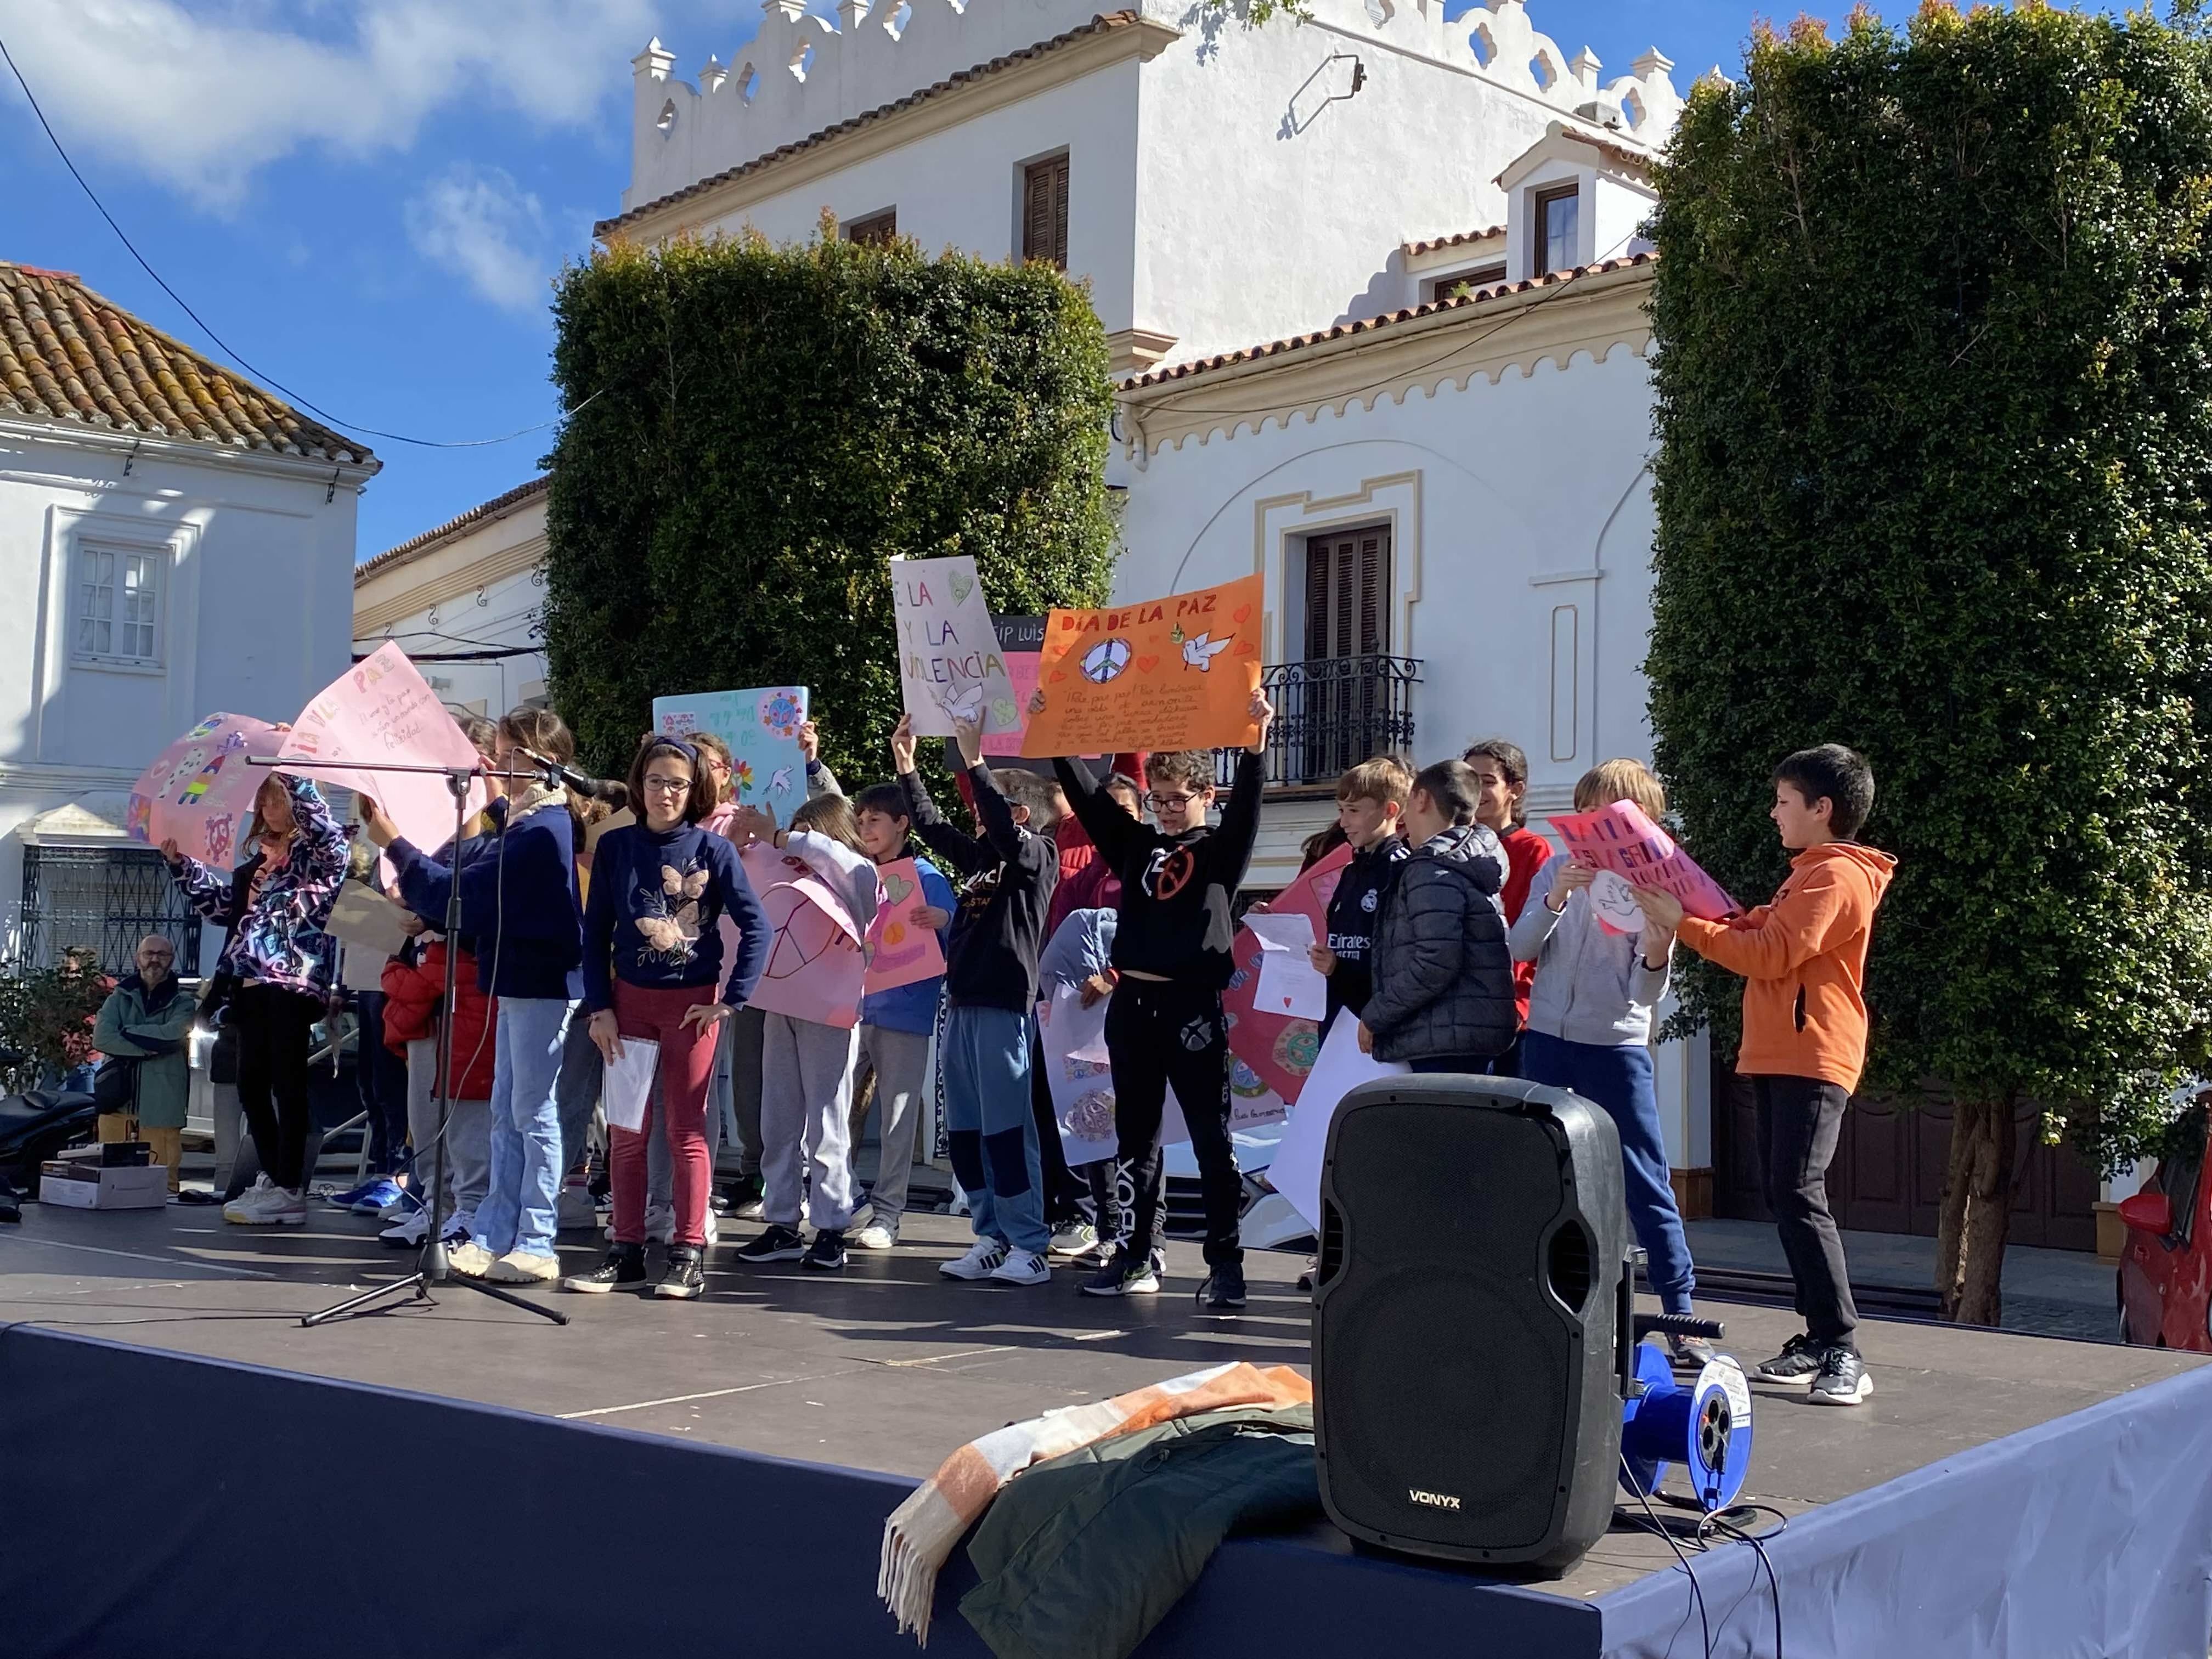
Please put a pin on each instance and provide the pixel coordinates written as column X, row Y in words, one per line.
column 889, row 1366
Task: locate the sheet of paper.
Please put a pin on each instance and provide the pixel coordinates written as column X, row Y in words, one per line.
column 1296, row 1171
column 950, row 659
column 626, row 1085
column 1272, row 1052
column 1289, row 983
column 1170, row 673
column 364, row 918
column 360, row 969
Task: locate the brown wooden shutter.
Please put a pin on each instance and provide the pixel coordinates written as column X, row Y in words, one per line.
column 1347, row 593
column 1044, row 211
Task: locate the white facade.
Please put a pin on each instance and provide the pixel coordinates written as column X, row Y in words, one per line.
column 232, row 573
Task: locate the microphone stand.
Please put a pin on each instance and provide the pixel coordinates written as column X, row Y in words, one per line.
column 431, row 1265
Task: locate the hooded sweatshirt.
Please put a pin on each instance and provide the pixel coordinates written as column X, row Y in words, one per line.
column 274, row 914
column 1803, row 957
column 521, row 907
column 1589, row 986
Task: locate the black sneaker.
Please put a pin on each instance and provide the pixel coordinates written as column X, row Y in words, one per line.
column 1691, row 1353
column 1842, row 1379
column 743, row 1197
column 1223, row 1289
column 1121, row 1277
column 622, row 1270
column 778, row 1244
column 685, row 1279
column 1799, row 1360
column 827, row 1252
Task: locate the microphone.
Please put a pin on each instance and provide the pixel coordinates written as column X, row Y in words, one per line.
column 595, row 788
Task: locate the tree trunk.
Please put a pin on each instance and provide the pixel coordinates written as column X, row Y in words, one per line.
column 1976, row 1211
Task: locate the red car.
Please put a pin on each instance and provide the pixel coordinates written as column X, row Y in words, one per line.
column 2166, row 1269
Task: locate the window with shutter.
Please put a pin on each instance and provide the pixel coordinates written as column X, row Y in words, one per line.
column 1044, row 211
column 878, row 229
column 1345, row 695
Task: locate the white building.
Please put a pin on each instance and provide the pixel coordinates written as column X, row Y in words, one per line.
column 177, row 541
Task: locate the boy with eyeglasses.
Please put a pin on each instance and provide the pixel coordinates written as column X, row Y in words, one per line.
column 1163, row 1025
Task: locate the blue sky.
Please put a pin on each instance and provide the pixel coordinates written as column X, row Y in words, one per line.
column 367, row 197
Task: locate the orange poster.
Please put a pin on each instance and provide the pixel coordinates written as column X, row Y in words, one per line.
column 1172, row 674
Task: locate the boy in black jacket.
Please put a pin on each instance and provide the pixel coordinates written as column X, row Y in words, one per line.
column 1163, row 1025
column 990, row 994
column 1369, row 800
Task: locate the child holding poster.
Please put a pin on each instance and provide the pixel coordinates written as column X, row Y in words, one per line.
column 652, row 961
column 806, row 1065
column 1164, row 1026
column 1803, row 959
column 896, row 1024
column 1007, row 880
column 1589, row 1028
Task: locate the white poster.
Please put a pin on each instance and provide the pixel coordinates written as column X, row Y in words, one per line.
column 1339, row 1068
column 1082, row 1086
column 949, row 661
column 1290, row 987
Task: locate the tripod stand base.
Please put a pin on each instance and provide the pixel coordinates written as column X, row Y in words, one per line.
column 431, row 1270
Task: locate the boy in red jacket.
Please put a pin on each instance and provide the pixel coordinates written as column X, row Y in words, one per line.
column 1803, row 959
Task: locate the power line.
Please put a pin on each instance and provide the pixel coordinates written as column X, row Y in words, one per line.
column 221, row 344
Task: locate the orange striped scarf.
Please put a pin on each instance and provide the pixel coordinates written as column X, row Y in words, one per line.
column 922, row 1531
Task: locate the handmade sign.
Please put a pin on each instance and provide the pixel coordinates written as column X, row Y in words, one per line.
column 1289, row 983
column 815, row 963
column 903, row 951
column 1621, row 839
column 761, row 726
column 1082, row 1082
column 1272, row 1052
column 949, row 661
column 1020, row 639
column 199, row 792
column 1172, row 674
column 1614, row 901
column 1296, row 1171
column 380, row 711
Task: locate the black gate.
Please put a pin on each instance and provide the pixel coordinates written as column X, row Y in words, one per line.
column 108, row 898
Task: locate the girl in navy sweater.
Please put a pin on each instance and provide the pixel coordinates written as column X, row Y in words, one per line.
column 652, row 966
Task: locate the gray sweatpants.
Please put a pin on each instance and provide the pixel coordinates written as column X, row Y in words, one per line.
column 806, row 1102
column 468, row 1132
column 747, row 1032
column 900, row 1060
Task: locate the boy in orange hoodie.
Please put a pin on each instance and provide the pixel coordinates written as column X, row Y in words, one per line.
column 1803, row 959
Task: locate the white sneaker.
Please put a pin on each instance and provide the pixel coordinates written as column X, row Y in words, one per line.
column 520, row 1267
column 289, row 1208
column 244, row 1211
column 862, row 1216
column 1023, row 1267
column 714, row 1232
column 983, row 1260
column 753, row 1209
column 874, row 1236
column 470, row 1260
column 268, row 1205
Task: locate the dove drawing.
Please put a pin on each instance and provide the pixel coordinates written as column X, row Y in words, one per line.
column 1201, row 652
column 779, row 781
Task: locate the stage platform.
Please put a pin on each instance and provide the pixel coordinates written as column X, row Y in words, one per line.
column 717, row 1471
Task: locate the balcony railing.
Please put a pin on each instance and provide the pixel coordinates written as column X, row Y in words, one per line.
column 1332, row 714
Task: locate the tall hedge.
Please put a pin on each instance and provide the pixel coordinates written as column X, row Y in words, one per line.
column 757, row 428
column 1934, row 327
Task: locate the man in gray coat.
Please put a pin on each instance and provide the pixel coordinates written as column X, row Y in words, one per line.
column 1443, row 974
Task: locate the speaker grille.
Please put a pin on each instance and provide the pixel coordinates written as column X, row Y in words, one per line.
column 1445, row 1366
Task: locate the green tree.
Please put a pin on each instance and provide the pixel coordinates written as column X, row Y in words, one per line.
column 1934, row 322
column 757, row 429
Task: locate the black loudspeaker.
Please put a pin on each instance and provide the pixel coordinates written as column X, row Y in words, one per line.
column 1470, row 1308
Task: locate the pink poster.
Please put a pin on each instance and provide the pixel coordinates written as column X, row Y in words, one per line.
column 200, row 792
column 1022, row 675
column 1272, row 1053
column 814, row 961
column 903, row 951
column 381, row 711
column 1621, row 839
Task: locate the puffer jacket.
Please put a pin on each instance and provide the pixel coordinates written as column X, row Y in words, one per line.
column 275, row 936
column 413, row 993
column 1443, row 975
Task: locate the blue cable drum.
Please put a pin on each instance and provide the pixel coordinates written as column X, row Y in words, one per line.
column 1705, row 1427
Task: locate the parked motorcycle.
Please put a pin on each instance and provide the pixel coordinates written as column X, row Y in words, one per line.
column 37, row 1124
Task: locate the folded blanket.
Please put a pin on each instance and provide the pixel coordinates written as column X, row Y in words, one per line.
column 922, row 1531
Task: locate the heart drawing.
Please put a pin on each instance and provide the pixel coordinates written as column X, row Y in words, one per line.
column 963, row 586
column 1242, row 613
column 897, row 888
column 1058, row 675
column 1145, row 664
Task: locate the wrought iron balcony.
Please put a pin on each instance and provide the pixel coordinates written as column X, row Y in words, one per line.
column 1332, row 714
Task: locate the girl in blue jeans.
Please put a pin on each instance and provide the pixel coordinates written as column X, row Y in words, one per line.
column 1589, row 1026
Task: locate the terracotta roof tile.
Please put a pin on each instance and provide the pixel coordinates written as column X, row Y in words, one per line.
column 1415, row 250
column 1369, row 325
column 1104, row 23
column 498, row 507
column 68, row 354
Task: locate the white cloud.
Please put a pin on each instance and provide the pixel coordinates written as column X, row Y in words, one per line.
column 201, row 93
column 477, row 223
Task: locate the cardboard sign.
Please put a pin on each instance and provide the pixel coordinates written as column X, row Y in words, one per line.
column 815, row 963
column 1614, row 901
column 903, row 951
column 199, row 792
column 1296, row 1171
column 761, row 726
column 1082, row 1082
column 1621, row 839
column 949, row 662
column 1172, row 674
column 1273, row 1051
column 380, row 710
